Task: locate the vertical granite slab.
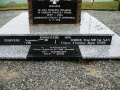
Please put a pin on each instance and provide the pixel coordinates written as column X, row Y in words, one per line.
column 51, row 12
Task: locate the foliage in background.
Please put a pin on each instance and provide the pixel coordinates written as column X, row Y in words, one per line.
column 85, row 5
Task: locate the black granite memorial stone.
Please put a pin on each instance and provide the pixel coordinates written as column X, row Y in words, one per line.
column 55, row 40
column 54, row 52
column 45, row 12
column 54, row 12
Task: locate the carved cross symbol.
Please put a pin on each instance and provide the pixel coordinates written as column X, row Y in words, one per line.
column 54, row 1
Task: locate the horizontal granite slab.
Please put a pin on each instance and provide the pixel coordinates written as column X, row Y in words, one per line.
column 90, row 26
column 87, row 51
column 102, row 51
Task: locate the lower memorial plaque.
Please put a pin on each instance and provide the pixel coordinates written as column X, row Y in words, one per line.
column 54, row 52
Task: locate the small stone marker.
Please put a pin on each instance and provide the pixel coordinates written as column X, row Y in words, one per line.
column 54, row 12
column 54, row 52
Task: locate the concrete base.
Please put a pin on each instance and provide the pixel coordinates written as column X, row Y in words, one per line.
column 90, row 26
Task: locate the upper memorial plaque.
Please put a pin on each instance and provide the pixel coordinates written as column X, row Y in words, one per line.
column 54, row 12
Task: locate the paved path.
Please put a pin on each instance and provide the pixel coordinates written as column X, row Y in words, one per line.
column 62, row 75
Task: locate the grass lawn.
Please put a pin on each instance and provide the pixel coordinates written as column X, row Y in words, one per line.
column 101, row 5
column 85, row 5
column 14, row 7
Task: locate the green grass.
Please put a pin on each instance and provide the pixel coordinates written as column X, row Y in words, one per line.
column 85, row 5
column 13, row 7
column 101, row 5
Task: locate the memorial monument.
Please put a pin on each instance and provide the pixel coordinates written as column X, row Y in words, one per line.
column 57, row 29
column 54, row 12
